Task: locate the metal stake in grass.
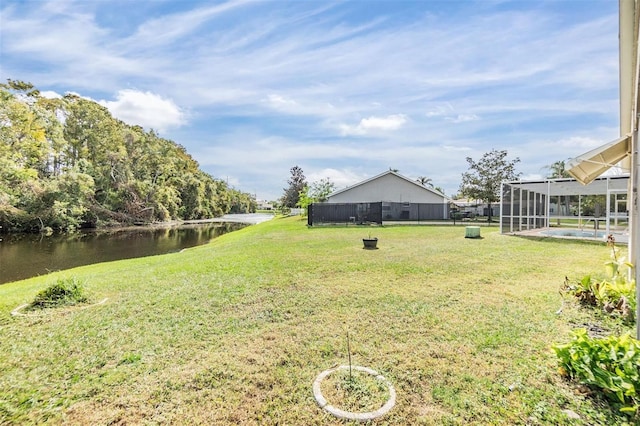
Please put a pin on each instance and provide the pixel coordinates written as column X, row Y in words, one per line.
column 349, row 352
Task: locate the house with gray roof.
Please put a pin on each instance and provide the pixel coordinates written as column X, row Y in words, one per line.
column 400, row 197
column 389, row 187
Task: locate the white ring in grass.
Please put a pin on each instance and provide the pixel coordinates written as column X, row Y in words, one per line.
column 341, row 414
column 16, row 312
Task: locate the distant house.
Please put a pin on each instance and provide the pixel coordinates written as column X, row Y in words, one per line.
column 264, row 205
column 388, row 187
column 388, row 196
column 474, row 208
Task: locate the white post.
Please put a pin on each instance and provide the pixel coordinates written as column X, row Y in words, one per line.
column 634, row 235
column 535, row 210
column 634, row 172
column 520, row 210
column 627, row 18
column 511, row 208
column 608, row 207
column 580, row 212
column 629, row 105
column 548, row 221
column 501, row 201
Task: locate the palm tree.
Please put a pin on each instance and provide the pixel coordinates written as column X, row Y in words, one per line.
column 425, row 181
column 557, row 171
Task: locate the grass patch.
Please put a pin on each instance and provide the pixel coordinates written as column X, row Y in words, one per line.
column 356, row 391
column 235, row 332
column 64, row 292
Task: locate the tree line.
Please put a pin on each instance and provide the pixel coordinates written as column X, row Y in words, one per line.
column 67, row 163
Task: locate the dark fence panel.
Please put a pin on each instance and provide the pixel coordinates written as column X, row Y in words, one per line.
column 415, row 211
column 375, row 212
column 344, row 213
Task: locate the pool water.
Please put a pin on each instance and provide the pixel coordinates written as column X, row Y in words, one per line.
column 574, row 233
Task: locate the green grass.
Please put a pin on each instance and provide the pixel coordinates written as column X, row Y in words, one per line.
column 355, row 391
column 235, row 332
column 64, row 292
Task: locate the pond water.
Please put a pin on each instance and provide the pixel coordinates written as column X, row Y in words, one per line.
column 26, row 255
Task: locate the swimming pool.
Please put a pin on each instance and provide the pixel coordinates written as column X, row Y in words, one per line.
column 576, row 233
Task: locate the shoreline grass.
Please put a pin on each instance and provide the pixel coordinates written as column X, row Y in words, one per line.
column 234, row 332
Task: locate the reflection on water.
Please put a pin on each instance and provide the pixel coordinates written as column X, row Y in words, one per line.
column 23, row 256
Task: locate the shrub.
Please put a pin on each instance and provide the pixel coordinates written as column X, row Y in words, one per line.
column 610, row 365
column 63, row 292
column 615, row 294
column 585, row 290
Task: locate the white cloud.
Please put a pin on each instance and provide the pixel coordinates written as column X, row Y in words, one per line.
column 280, row 100
column 285, row 80
column 172, row 27
column 532, row 176
column 271, row 152
column 448, row 113
column 462, row 118
column 440, row 110
column 456, row 148
column 579, row 143
column 145, row 109
column 282, row 103
column 50, row 94
column 375, row 124
column 340, row 177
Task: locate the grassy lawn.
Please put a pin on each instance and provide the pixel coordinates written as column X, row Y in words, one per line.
column 235, row 332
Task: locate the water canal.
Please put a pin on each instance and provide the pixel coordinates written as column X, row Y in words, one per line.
column 26, row 255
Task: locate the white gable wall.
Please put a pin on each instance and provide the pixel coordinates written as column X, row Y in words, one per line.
column 387, row 188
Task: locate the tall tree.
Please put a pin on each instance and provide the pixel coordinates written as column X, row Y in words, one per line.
column 67, row 162
column 423, row 180
column 316, row 193
column 482, row 181
column 304, row 199
column 320, row 190
column 557, row 170
column 296, row 182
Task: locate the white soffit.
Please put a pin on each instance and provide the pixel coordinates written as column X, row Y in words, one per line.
column 592, row 164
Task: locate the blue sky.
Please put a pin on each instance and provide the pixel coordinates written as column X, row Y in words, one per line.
column 345, row 90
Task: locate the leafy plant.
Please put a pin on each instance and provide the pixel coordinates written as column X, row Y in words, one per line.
column 615, row 293
column 64, row 292
column 618, row 291
column 584, row 290
column 610, row 365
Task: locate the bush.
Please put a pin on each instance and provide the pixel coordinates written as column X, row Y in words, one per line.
column 64, row 292
column 610, row 365
column 615, row 294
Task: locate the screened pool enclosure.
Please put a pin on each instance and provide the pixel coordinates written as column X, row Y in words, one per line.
column 600, row 207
